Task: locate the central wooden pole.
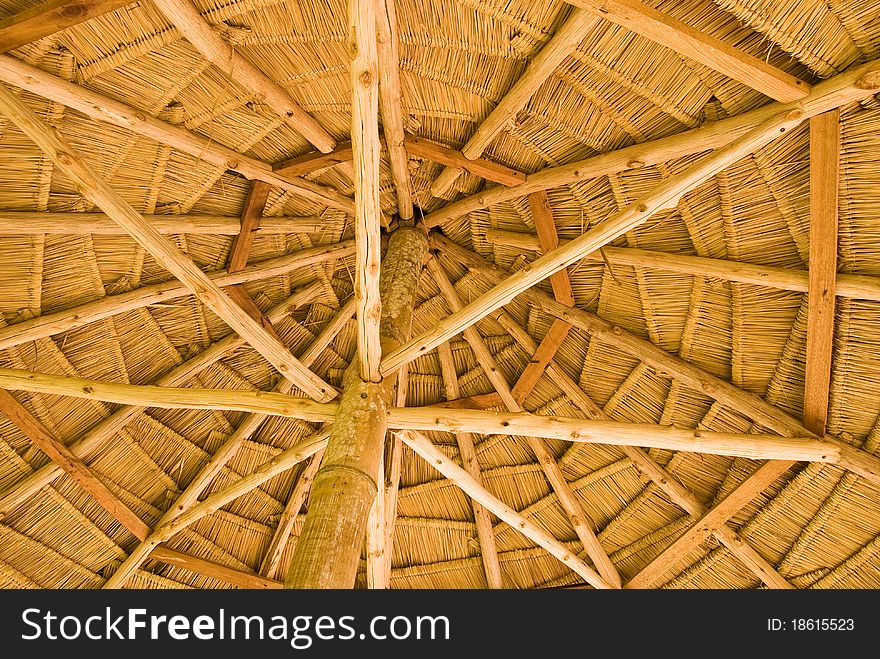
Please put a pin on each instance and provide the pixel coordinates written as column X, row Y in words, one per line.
column 329, row 548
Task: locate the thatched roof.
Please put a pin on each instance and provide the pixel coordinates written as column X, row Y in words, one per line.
column 814, row 524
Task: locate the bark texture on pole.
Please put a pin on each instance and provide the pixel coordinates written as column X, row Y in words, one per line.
column 329, row 548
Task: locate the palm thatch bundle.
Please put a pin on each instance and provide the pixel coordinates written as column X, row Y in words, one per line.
column 724, row 277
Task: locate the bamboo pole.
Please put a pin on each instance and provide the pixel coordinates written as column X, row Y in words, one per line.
column 548, row 59
column 580, row 521
column 465, row 441
column 165, row 252
column 328, row 551
column 205, row 38
column 93, row 439
column 362, row 16
column 391, row 103
column 102, row 108
column 669, row 484
column 26, row 222
column 461, row 478
column 853, row 85
column 861, row 287
column 662, row 197
column 154, row 294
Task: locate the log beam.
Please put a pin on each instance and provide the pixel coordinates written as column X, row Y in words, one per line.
column 698, row 46
column 328, row 552
column 362, row 16
column 662, row 197
column 853, row 85
column 419, row 147
column 391, row 103
column 50, row 17
column 860, row 287
column 102, row 108
column 580, row 521
column 462, row 479
column 212, row 570
column 315, row 161
column 205, row 38
column 824, row 182
column 165, row 253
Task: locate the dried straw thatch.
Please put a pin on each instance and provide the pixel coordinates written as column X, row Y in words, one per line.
column 816, row 524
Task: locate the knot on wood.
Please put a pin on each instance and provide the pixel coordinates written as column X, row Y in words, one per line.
column 234, row 35
column 366, row 78
column 870, row 80
column 73, row 11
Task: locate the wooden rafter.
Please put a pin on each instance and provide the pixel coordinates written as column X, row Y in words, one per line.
column 853, row 85
column 362, row 16
column 859, row 287
column 102, row 108
column 95, row 438
column 111, row 305
column 478, row 402
column 583, row 525
column 698, row 46
column 311, row 163
column 428, row 150
column 211, row 569
column 662, row 197
column 482, row 518
column 165, row 253
column 661, row 478
column 184, row 15
column 50, row 17
column 438, row 460
column 824, row 181
column 548, row 59
column 391, row 103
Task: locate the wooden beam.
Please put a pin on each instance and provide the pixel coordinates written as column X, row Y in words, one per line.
column 327, row 554
column 860, row 287
column 462, row 479
column 248, row 426
column 87, row 444
column 251, row 216
column 478, row 402
column 548, row 59
column 482, row 518
column 280, row 463
column 824, row 182
column 211, row 569
column 580, row 521
column 101, row 108
column 70, row 463
column 50, row 17
column 713, row 519
column 669, row 484
column 698, row 46
column 271, row 563
column 154, row 294
column 18, row 223
column 664, row 196
column 315, row 161
column 391, row 103
column 854, row 85
column 204, row 38
column 421, row 148
column 542, row 216
column 362, row 16
column 165, row 253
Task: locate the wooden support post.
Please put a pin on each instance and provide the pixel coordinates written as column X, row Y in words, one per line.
column 698, row 46
column 165, row 253
column 391, row 103
column 328, row 551
column 662, row 197
column 362, row 18
column 580, row 521
column 184, row 15
column 50, row 17
column 824, row 181
column 567, row 37
column 482, row 518
column 853, row 85
column 462, row 479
